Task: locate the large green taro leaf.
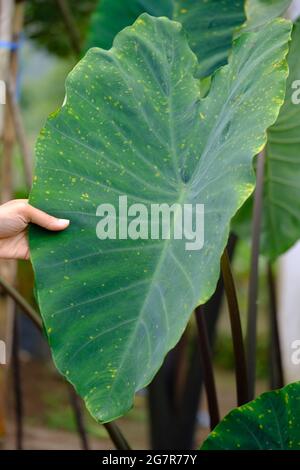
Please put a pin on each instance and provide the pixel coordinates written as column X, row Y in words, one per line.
column 134, row 124
column 270, row 422
column 281, row 198
column 209, row 24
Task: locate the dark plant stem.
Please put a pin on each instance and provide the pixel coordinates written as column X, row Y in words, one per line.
column 22, row 303
column 76, row 406
column 112, row 429
column 178, row 373
column 253, row 283
column 116, row 436
column 171, row 430
column 236, row 330
column 70, row 24
column 207, row 368
column 276, row 359
column 17, row 384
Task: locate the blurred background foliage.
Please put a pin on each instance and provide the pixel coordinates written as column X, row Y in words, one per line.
column 44, row 23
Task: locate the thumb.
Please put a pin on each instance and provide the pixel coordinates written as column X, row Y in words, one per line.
column 45, row 220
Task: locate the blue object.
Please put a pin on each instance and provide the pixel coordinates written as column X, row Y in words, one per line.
column 12, row 46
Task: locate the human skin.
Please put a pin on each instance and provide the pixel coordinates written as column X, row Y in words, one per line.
column 15, row 216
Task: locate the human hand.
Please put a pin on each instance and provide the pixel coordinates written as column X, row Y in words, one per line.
column 14, row 219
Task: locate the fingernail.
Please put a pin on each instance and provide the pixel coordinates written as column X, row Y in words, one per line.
column 63, row 222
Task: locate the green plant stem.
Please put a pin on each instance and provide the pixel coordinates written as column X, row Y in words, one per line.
column 276, row 359
column 253, row 283
column 112, row 429
column 207, row 368
column 236, row 329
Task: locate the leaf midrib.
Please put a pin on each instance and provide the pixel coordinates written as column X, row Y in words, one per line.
column 152, row 284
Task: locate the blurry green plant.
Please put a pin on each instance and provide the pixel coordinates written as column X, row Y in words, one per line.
column 45, row 25
column 224, row 355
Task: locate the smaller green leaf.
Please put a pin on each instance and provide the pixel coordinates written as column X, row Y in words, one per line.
column 259, row 12
column 281, row 203
column 210, row 25
column 270, row 422
column 280, row 227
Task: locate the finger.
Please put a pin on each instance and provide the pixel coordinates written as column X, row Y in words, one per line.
column 15, row 247
column 44, row 220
